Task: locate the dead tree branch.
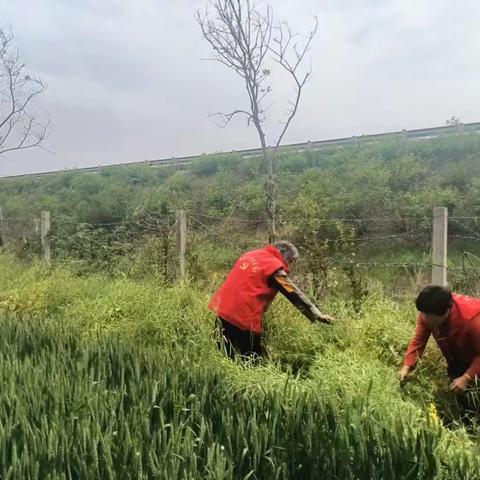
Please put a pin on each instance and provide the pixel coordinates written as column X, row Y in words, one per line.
column 20, row 127
column 280, row 50
column 244, row 39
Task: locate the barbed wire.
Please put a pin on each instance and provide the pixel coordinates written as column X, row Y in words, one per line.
column 213, row 232
column 72, row 239
column 154, row 225
column 468, row 256
column 371, row 219
column 464, row 237
column 471, row 284
column 471, row 231
column 382, row 264
column 228, row 217
column 19, row 219
column 257, row 221
column 205, row 230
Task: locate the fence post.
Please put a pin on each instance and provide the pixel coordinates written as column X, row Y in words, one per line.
column 3, row 240
column 439, row 246
column 45, row 235
column 181, row 227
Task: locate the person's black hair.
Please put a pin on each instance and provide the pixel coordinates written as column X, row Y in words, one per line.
column 434, row 299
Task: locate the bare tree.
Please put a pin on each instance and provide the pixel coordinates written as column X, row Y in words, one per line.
column 20, row 127
column 245, row 39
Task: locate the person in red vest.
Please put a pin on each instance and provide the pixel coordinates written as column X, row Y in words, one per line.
column 454, row 322
column 248, row 291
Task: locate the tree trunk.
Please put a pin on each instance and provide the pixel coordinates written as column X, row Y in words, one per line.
column 271, row 196
column 270, row 187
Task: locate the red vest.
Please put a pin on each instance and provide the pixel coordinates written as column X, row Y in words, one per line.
column 245, row 294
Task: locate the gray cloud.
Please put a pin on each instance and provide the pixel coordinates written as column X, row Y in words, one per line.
column 127, row 81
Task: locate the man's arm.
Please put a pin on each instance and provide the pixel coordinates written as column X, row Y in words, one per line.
column 461, row 383
column 474, row 369
column 283, row 283
column 415, row 349
column 417, row 344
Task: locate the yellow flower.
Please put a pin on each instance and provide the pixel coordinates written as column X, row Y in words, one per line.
column 433, row 414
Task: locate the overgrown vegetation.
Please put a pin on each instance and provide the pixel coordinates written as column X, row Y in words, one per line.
column 110, row 369
column 105, row 378
column 120, row 220
column 397, row 178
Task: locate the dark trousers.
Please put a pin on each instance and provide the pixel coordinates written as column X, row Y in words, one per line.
column 236, row 341
column 456, row 369
column 467, row 400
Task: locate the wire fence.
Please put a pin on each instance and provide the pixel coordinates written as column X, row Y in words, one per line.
column 395, row 250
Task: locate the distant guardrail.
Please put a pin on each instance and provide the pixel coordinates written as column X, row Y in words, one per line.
column 418, row 134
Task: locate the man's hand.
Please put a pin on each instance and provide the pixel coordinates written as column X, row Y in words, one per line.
column 324, row 318
column 405, row 374
column 460, row 384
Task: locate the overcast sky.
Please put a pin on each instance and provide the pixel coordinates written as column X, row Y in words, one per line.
column 126, row 79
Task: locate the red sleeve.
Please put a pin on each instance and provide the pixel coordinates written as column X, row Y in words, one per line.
column 474, row 369
column 418, row 343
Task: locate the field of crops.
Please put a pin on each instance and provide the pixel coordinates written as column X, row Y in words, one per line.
column 111, row 378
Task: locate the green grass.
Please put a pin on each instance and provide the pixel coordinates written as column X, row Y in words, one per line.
column 114, row 378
